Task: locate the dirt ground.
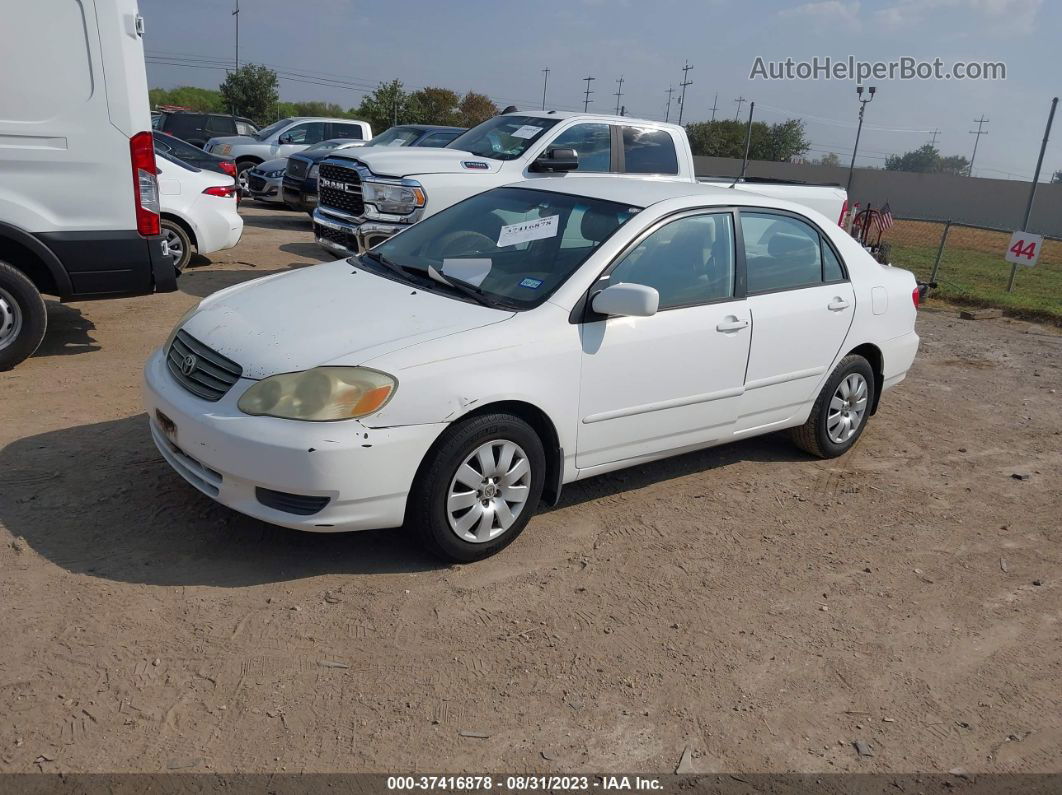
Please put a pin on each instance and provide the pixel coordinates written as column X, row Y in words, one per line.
column 760, row 607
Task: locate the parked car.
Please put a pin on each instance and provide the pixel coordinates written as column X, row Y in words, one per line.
column 263, row 181
column 198, row 128
column 198, row 210
column 369, row 194
column 300, row 181
column 524, row 338
column 193, row 155
column 79, row 212
column 283, row 138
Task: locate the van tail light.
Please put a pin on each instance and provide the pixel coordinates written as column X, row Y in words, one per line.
column 916, row 296
column 224, row 191
column 228, row 168
column 145, row 184
column 844, row 212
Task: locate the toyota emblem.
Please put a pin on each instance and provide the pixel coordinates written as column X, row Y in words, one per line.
column 189, row 363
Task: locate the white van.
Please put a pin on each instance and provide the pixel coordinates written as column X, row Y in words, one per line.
column 79, row 208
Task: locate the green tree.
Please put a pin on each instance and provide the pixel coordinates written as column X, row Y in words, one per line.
column 438, row 106
column 201, row 99
column 475, row 109
column 726, row 138
column 927, row 159
column 251, row 91
column 954, row 164
column 389, row 105
column 1056, row 178
column 829, row 159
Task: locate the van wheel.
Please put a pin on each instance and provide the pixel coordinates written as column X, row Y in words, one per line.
column 477, row 487
column 23, row 317
column 179, row 242
column 841, row 410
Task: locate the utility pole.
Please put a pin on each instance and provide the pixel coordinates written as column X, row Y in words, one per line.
column 739, row 102
column 586, row 102
column 667, row 113
column 619, row 94
column 979, row 122
column 685, row 82
column 1032, row 190
column 862, row 109
column 715, row 105
column 933, row 141
column 545, row 80
column 236, row 14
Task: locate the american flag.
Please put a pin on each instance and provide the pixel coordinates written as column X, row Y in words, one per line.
column 885, row 219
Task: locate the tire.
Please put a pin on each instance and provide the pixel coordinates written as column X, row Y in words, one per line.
column 23, row 317
column 461, row 521
column 242, row 167
column 841, row 411
column 179, row 241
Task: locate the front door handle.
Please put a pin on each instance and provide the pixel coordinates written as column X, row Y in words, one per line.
column 732, row 324
column 837, row 304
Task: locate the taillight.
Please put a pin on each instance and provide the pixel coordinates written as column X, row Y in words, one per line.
column 224, row 191
column 916, row 296
column 844, row 212
column 145, row 183
column 228, row 168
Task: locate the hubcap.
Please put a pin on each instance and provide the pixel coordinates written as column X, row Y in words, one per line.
column 489, row 491
column 175, row 244
column 847, row 407
column 241, row 180
column 10, row 319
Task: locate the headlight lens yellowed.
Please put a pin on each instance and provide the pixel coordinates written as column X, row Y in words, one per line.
column 322, row 394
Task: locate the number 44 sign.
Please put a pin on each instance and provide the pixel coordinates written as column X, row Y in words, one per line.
column 1024, row 249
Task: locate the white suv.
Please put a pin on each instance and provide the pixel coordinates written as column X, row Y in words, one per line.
column 283, row 138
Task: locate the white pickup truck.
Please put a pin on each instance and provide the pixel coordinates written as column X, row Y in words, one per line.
column 367, row 195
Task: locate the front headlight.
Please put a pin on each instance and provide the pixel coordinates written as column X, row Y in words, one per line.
column 396, row 198
column 275, row 174
column 320, row 395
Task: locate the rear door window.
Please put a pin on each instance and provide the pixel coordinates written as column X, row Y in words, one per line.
column 649, row 151
column 781, row 252
column 346, row 131
column 221, row 125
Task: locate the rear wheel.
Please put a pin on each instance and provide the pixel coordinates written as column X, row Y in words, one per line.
column 179, row 242
column 23, row 317
column 841, row 410
column 241, row 176
column 478, row 487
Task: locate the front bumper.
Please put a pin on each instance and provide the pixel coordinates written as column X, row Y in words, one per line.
column 364, row 473
column 299, row 195
column 350, row 236
column 264, row 189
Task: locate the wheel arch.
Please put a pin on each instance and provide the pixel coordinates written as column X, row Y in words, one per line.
column 252, row 159
column 27, row 254
column 183, row 223
column 872, row 353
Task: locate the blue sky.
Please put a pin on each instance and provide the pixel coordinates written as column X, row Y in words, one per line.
column 500, row 48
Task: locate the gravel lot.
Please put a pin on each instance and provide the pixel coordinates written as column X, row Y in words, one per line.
column 760, row 607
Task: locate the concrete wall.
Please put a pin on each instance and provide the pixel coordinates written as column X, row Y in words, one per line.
column 982, row 202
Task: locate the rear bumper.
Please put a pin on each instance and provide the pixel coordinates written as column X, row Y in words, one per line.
column 110, row 264
column 898, row 354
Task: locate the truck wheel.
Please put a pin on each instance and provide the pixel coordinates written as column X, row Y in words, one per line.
column 23, row 317
column 477, row 487
column 179, row 242
column 841, row 410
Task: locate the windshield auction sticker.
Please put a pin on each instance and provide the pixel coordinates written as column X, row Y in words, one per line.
column 527, row 131
column 524, row 231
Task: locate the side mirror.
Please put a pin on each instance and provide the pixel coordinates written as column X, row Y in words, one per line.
column 557, row 160
column 285, row 139
column 627, row 300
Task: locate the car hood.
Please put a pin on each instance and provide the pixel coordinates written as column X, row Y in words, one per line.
column 405, row 161
column 333, row 313
column 271, row 165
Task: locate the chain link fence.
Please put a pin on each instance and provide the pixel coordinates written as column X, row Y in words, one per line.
column 967, row 264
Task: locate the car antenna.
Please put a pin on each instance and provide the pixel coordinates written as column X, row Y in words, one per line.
column 748, row 142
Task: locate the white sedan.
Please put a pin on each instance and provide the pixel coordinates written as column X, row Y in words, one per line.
column 198, row 209
column 527, row 337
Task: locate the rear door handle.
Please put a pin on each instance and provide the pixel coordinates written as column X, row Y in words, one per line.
column 837, row 304
column 732, row 324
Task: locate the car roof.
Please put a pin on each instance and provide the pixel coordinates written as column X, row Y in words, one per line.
column 589, row 116
column 637, row 192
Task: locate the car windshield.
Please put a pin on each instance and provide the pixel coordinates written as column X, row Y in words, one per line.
column 396, row 136
column 503, row 137
column 515, row 245
column 272, row 128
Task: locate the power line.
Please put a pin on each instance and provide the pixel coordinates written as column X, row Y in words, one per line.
column 586, row 102
column 682, row 98
column 979, row 122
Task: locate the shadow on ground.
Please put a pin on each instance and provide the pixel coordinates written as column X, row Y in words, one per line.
column 99, row 500
column 204, row 283
column 68, row 332
column 277, row 218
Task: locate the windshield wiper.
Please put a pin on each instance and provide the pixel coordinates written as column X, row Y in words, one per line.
column 394, row 267
column 477, row 294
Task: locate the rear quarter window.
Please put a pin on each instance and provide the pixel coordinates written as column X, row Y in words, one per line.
column 649, row 151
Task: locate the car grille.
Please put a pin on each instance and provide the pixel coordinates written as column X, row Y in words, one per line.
column 348, row 201
column 297, row 167
column 299, row 504
column 202, row 371
column 337, row 236
column 255, row 182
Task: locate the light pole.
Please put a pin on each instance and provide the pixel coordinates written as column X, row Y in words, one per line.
column 862, row 108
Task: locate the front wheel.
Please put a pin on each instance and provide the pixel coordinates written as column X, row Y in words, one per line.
column 478, row 487
column 841, row 410
column 23, row 317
